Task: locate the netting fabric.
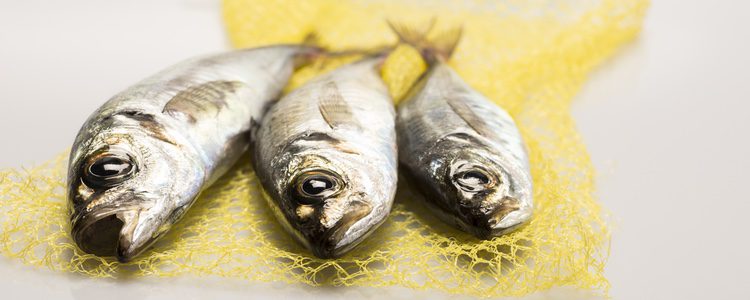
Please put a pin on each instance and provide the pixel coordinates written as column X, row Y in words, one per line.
column 529, row 56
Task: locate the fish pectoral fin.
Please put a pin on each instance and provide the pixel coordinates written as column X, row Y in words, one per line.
column 203, row 101
column 334, row 108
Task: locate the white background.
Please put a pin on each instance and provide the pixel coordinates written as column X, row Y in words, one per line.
column 666, row 121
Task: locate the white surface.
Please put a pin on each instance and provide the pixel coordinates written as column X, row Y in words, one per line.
column 666, row 121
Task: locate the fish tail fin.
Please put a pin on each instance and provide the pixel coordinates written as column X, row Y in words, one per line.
column 445, row 43
column 312, row 50
column 412, row 35
column 439, row 48
column 319, row 53
column 311, row 39
column 377, row 51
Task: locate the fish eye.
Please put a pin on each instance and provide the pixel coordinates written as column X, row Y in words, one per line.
column 314, row 186
column 473, row 180
column 108, row 170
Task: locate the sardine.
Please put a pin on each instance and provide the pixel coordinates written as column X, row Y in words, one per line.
column 326, row 157
column 140, row 160
column 463, row 151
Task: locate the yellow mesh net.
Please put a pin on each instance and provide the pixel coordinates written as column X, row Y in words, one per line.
column 528, row 56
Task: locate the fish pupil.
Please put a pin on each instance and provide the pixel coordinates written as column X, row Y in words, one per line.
column 316, row 186
column 475, row 178
column 110, row 166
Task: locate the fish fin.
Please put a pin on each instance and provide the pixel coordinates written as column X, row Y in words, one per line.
column 439, row 48
column 463, row 110
column 311, row 39
column 203, row 101
column 334, row 109
column 445, row 43
column 313, row 51
column 412, row 35
column 320, row 55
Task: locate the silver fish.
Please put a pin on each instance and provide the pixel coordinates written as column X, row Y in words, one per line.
column 141, row 159
column 326, row 156
column 463, row 151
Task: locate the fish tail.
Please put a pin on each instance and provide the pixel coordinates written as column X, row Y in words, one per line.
column 438, row 48
column 410, row 35
column 445, row 43
column 317, row 52
column 415, row 36
column 379, row 51
column 311, row 51
column 312, row 39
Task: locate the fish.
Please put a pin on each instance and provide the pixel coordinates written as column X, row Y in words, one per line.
column 326, row 157
column 462, row 151
column 141, row 159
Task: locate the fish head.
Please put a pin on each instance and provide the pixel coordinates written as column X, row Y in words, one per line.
column 125, row 189
column 486, row 193
column 333, row 199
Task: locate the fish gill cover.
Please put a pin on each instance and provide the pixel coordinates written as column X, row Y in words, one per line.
column 530, row 57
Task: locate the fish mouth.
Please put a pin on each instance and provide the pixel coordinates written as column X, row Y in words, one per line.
column 99, row 237
column 507, row 216
column 335, row 242
column 112, row 234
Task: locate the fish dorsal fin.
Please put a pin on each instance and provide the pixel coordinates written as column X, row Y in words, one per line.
column 463, row 110
column 203, row 101
column 334, row 109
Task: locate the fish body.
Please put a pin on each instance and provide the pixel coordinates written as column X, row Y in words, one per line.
column 140, row 160
column 464, row 152
column 326, row 156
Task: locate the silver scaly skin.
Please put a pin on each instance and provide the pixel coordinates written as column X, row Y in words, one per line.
column 141, row 159
column 326, row 156
column 465, row 153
